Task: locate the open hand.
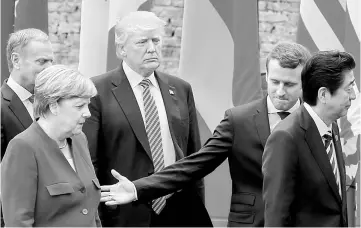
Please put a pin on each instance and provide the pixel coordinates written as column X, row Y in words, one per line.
column 120, row 193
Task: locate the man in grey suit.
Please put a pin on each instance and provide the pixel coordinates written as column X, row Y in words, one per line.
column 240, row 137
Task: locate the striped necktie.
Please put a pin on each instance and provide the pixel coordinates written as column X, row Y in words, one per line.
column 332, row 158
column 154, row 137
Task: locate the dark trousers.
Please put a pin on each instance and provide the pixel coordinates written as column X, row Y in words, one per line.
column 177, row 214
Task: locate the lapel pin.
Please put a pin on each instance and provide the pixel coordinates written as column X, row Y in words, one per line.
column 171, row 92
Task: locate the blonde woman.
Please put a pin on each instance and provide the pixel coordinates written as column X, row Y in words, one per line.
column 47, row 175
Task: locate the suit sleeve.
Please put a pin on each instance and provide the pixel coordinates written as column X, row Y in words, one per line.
column 279, row 167
column 194, row 142
column 91, row 130
column 19, row 175
column 190, row 168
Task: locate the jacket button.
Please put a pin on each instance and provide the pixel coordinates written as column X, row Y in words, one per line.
column 84, row 211
column 82, row 190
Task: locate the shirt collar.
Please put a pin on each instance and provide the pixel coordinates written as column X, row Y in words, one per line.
column 321, row 126
column 22, row 93
column 272, row 109
column 134, row 78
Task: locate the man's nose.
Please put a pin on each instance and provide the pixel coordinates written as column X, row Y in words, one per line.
column 353, row 94
column 151, row 46
column 280, row 90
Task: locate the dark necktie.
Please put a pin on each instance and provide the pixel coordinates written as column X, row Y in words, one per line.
column 283, row 114
column 154, row 137
column 31, row 99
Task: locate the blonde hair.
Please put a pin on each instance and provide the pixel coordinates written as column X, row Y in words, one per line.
column 134, row 22
column 59, row 82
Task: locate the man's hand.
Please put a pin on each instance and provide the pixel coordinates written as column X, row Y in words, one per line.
column 120, row 193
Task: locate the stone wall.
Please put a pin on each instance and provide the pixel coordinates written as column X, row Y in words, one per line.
column 64, row 30
column 277, row 21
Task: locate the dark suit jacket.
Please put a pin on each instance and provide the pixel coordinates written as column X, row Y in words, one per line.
column 14, row 116
column 240, row 137
column 118, row 140
column 299, row 185
column 14, row 119
column 40, row 188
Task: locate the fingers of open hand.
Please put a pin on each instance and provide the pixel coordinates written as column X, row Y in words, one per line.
column 106, row 196
column 105, row 188
column 117, row 175
column 111, row 203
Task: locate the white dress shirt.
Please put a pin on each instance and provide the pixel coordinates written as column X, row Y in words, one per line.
column 134, row 79
column 273, row 117
column 23, row 94
column 322, row 130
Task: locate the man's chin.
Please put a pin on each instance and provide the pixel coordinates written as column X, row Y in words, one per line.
column 152, row 65
column 282, row 106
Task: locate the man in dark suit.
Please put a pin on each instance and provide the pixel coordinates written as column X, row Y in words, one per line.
column 28, row 52
column 240, row 137
column 143, row 120
column 303, row 167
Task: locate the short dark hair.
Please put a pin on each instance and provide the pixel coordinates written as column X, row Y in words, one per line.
column 289, row 55
column 325, row 69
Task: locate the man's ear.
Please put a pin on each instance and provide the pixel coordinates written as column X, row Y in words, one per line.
column 15, row 59
column 120, row 51
column 323, row 95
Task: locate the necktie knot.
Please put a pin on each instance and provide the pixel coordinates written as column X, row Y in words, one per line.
column 145, row 83
column 328, row 139
column 283, row 114
column 31, row 98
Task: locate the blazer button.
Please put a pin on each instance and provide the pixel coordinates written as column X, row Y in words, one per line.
column 84, row 211
column 82, row 190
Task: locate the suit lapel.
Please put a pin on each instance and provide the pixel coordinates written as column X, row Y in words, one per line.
column 314, row 141
column 339, row 156
column 170, row 100
column 16, row 106
column 80, row 163
column 128, row 103
column 261, row 121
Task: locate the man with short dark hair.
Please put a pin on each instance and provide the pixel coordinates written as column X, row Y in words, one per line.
column 240, row 137
column 303, row 167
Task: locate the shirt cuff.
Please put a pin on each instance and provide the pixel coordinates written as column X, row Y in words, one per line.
column 135, row 193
